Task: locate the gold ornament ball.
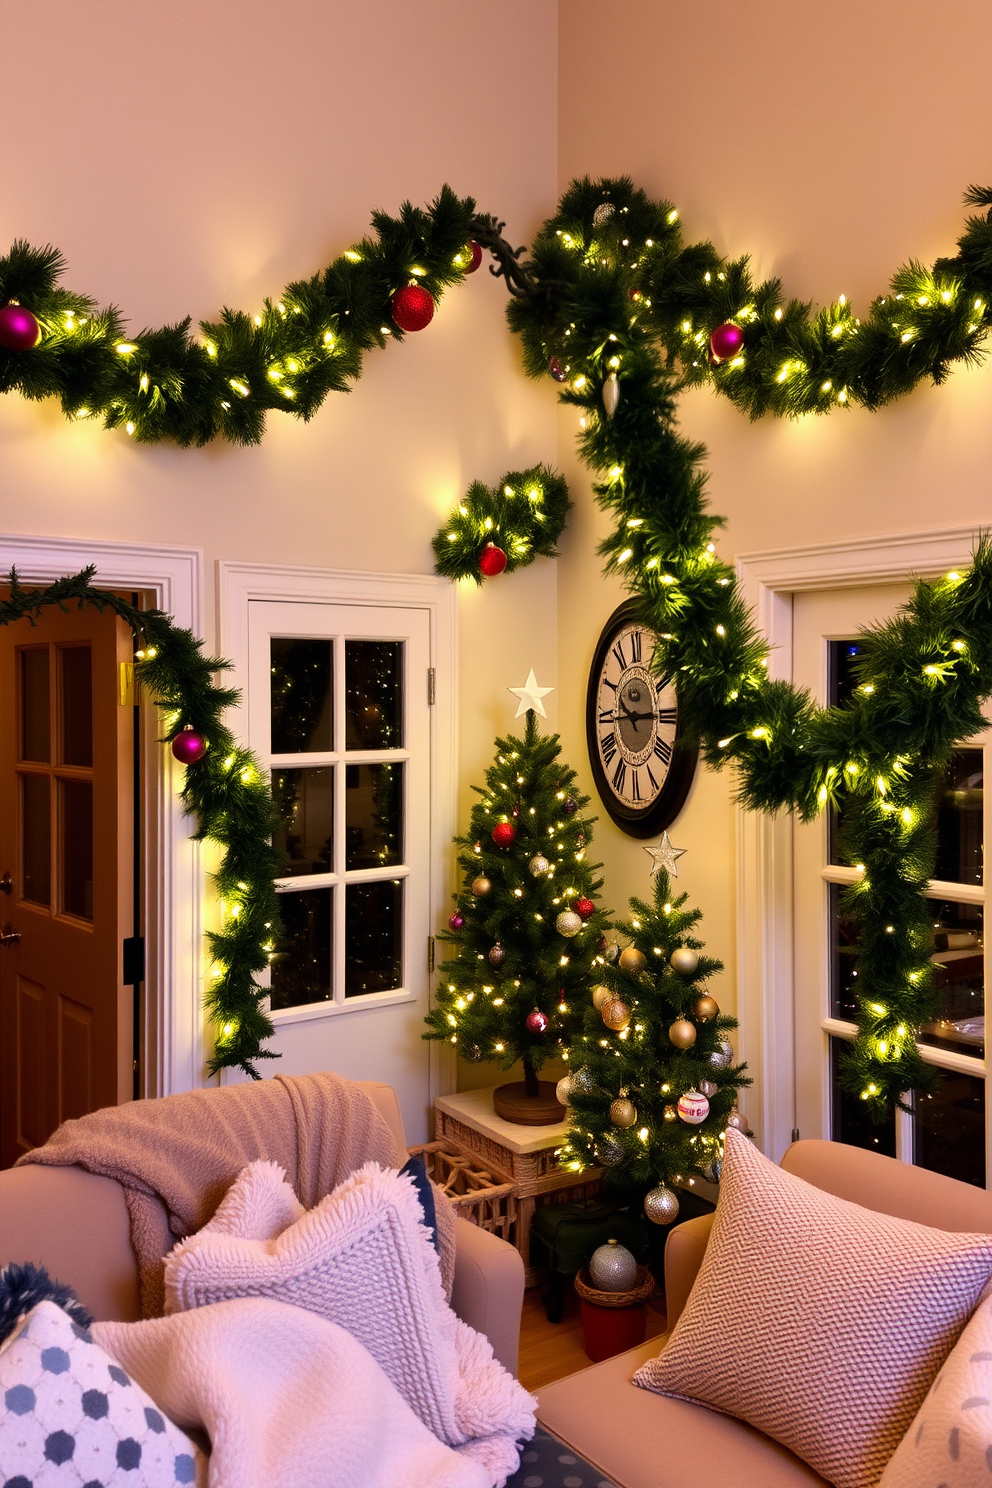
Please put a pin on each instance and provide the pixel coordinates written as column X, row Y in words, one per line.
column 615, row 1013
column 661, row 1206
column 600, row 995
column 481, row 887
column 632, row 961
column 705, row 1008
column 683, row 960
column 682, row 1033
column 623, row 1112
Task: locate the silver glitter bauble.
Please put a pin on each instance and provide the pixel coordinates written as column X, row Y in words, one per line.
column 564, row 1089
column 582, row 1081
column 722, row 1055
column 538, row 865
column 623, row 1112
column 609, row 1151
column 612, row 951
column 707, row 1088
column 475, row 1053
column 737, row 1122
column 661, row 1206
column 496, row 955
column 612, row 1268
column 602, row 215
column 683, row 960
column 714, row 1170
column 568, row 923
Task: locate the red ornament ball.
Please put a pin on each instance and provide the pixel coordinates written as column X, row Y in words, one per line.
column 504, row 834
column 456, row 921
column 19, row 329
column 412, row 307
column 476, row 251
column 537, row 1022
column 189, row 746
column 584, row 907
column 557, row 370
column 727, row 341
column 492, row 561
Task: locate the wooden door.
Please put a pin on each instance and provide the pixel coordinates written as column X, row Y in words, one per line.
column 66, row 872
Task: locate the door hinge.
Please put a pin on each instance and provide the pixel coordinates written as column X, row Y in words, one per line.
column 431, row 687
column 430, row 953
column 795, row 1134
column 134, row 960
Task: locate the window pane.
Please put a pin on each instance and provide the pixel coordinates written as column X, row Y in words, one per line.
column 301, row 968
column 374, row 694
column 959, row 819
column 950, row 1128
column 844, row 976
column 304, row 800
column 841, row 682
column 301, row 695
column 849, row 1118
column 76, row 705
column 36, row 743
column 36, row 837
column 77, row 847
column 959, row 974
column 373, row 941
column 373, row 815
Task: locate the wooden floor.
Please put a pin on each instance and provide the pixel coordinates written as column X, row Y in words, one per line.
column 550, row 1351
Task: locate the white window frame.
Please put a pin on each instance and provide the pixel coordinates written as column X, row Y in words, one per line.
column 765, row 915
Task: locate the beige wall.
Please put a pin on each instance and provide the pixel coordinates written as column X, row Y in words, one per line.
column 831, row 143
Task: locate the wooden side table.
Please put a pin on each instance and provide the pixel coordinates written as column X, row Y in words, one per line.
column 527, row 1153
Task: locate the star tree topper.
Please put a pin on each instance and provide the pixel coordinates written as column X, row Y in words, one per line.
column 530, row 696
column 665, row 856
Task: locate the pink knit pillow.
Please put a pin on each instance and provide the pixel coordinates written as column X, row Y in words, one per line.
column 819, row 1322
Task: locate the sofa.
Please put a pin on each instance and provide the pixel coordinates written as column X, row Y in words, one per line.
column 76, row 1225
column 642, row 1440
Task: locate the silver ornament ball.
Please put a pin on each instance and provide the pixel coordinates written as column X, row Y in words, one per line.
column 661, row 1206
column 568, row 923
column 707, row 1088
column 737, row 1122
column 538, row 865
column 602, row 214
column 683, row 960
column 609, row 1151
column 564, row 1089
column 582, row 1081
column 612, row 1268
column 722, row 1055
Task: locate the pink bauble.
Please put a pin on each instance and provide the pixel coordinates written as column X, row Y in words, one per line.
column 492, row 561
column 584, row 907
column 189, row 746
column 412, row 307
column 19, row 329
column 727, row 341
column 476, row 251
column 456, row 921
column 537, row 1022
column 557, row 370
column 693, row 1107
column 504, row 834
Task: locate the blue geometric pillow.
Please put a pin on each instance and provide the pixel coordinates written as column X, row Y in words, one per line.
column 70, row 1417
column 23, row 1287
column 416, row 1168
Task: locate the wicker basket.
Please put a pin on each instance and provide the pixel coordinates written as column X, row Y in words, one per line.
column 477, row 1190
column 637, row 1294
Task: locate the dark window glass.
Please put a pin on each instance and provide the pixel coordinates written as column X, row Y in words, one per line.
column 373, row 815
column 76, row 704
column 373, row 939
column 959, row 819
column 949, row 1128
column 36, row 838
column 374, row 694
column 77, row 847
column 36, row 741
column 303, row 798
column 841, row 684
column 301, row 967
column 301, row 695
column 844, row 975
column 958, row 961
column 850, row 1121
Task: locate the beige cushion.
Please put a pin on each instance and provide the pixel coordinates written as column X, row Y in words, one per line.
column 950, row 1441
column 818, row 1321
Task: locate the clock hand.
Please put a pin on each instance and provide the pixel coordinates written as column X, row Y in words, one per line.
column 632, row 716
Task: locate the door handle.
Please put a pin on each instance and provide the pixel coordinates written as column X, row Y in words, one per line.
column 9, row 936
column 6, row 884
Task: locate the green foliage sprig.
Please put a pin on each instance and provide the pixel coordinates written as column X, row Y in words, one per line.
column 609, row 297
column 227, row 793
column 524, row 514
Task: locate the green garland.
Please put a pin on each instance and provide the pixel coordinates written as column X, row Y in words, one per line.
column 524, row 514
column 226, row 791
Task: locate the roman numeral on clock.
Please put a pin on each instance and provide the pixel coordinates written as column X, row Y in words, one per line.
column 667, row 715
column 618, row 653
column 606, row 715
column 636, row 788
column 663, row 750
column 608, row 744
column 620, row 775
column 635, row 641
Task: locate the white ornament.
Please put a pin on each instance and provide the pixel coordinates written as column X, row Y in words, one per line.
column 683, row 960
column 538, row 865
column 661, row 1206
column 665, row 856
column 602, row 215
column 612, row 1268
column 568, row 923
column 530, row 696
column 611, row 395
column 693, row 1107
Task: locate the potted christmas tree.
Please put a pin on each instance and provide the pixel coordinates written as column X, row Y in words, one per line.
column 652, row 1083
column 526, row 934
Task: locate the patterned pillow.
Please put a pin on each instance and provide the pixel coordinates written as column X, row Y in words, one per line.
column 71, row 1418
column 819, row 1322
column 950, row 1441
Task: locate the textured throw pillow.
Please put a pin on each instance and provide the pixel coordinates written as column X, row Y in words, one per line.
column 71, row 1418
column 416, row 1169
column 950, row 1441
column 819, row 1322
column 23, row 1287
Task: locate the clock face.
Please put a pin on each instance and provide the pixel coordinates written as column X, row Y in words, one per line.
column 633, row 728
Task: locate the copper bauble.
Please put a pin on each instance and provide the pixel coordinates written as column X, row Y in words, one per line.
column 623, row 1112
column 682, row 1033
column 632, row 961
column 481, row 887
column 705, row 1008
column 615, row 1013
column 600, row 995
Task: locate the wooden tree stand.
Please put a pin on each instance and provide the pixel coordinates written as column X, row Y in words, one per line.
column 542, row 1108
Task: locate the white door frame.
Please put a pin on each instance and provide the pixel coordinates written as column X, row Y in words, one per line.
column 174, row 1043
column 240, row 583
column 765, row 977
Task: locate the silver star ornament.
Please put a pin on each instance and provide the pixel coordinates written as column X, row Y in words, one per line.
column 665, row 856
column 530, row 696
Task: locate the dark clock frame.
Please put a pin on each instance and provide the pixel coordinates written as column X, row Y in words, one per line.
column 662, row 812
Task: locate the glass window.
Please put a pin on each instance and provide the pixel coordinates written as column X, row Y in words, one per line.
column 36, row 743
column 960, row 799
column 373, row 937
column 949, row 1128
column 77, row 847
column 304, row 801
column 844, row 974
column 302, row 713
column 76, row 705
column 301, row 967
column 36, row 838
column 373, row 816
column 958, row 960
column 373, row 673
column 851, row 1122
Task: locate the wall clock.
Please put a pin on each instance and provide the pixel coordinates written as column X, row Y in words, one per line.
column 641, row 768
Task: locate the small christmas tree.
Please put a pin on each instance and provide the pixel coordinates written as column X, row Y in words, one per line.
column 652, row 1083
column 526, row 933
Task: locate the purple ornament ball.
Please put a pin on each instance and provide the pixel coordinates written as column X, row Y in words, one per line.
column 456, row 921
column 189, row 746
column 19, row 329
column 727, row 341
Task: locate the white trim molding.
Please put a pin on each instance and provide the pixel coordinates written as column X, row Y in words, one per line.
column 173, row 889
column 765, row 915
